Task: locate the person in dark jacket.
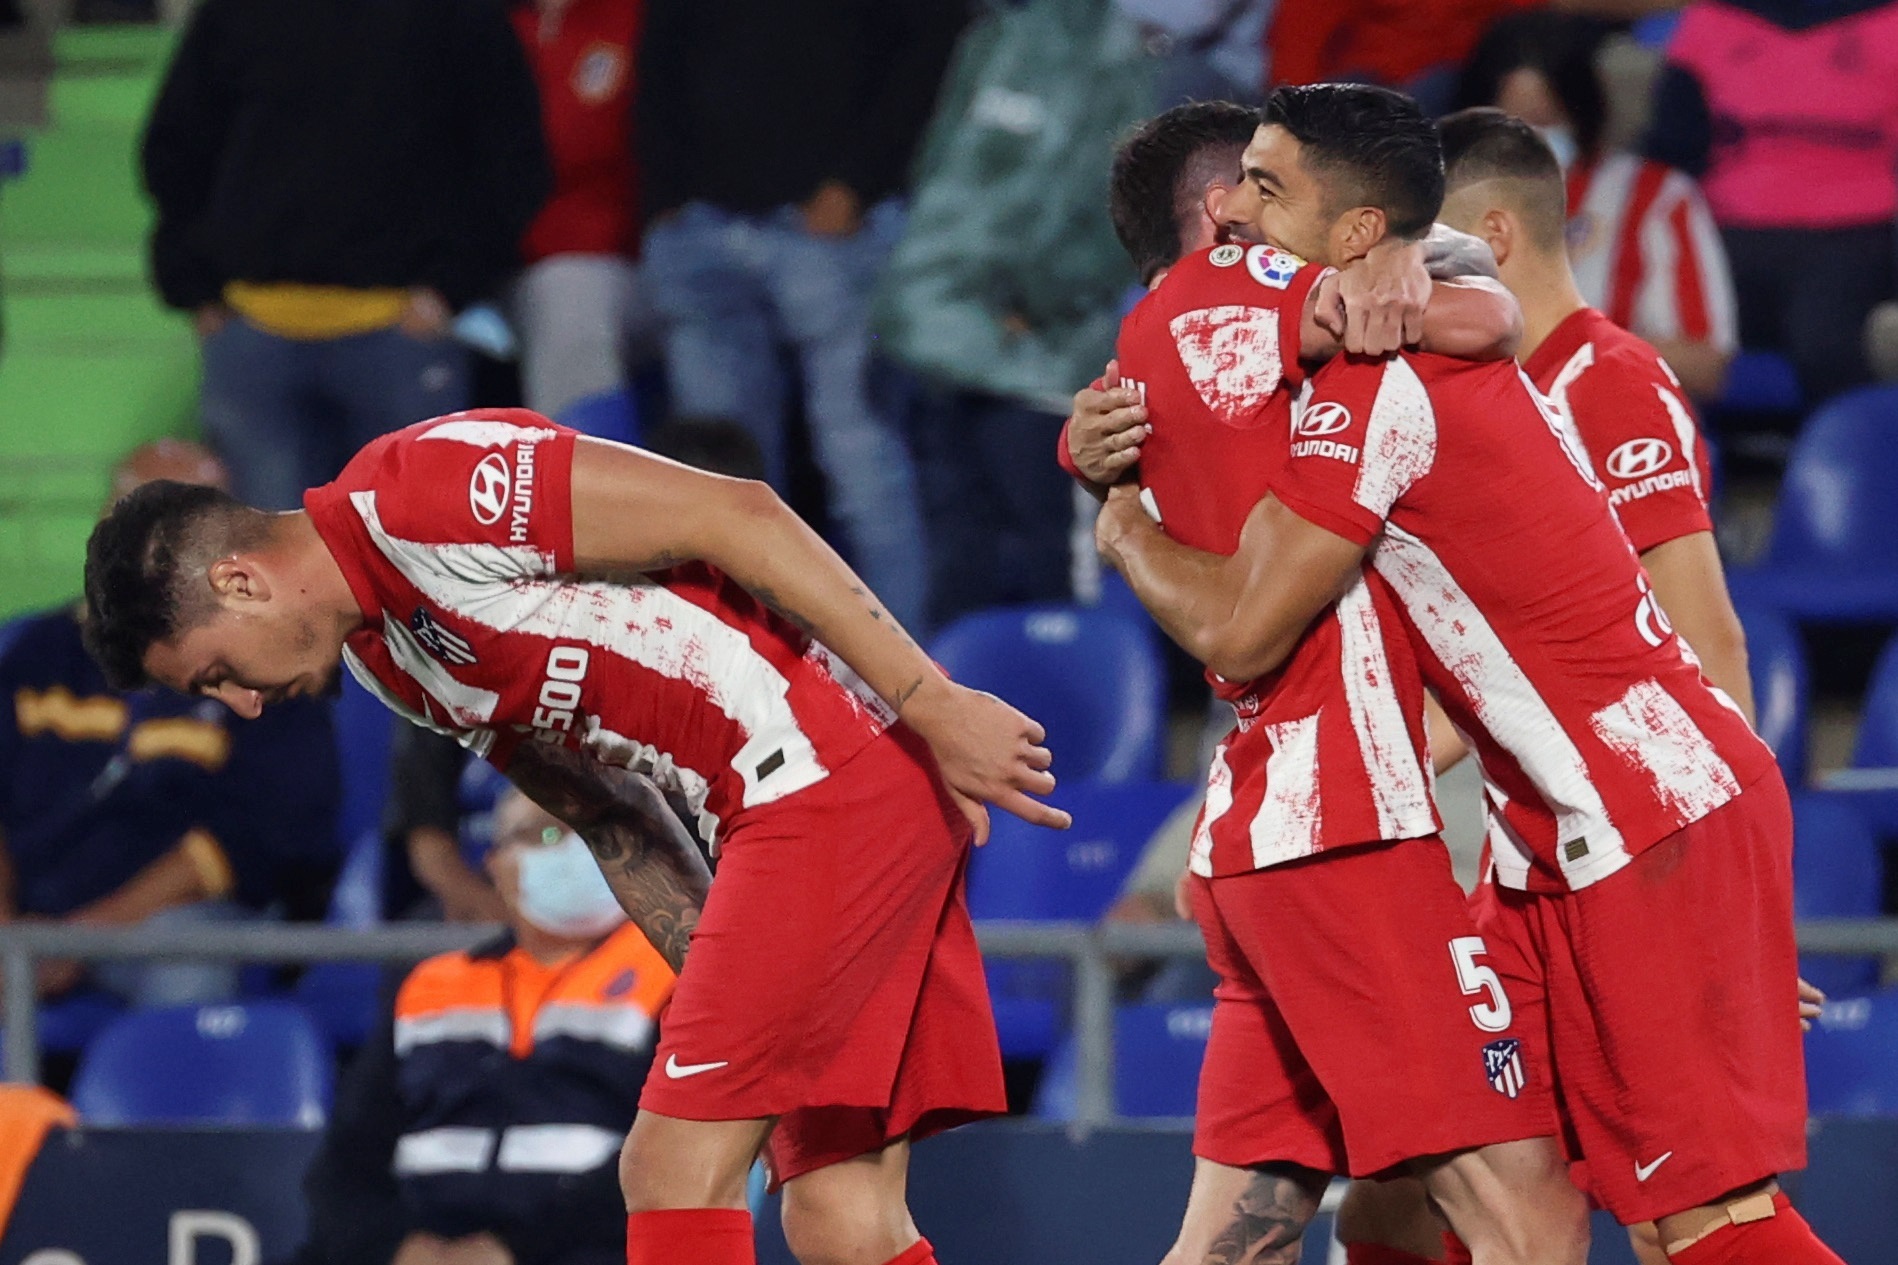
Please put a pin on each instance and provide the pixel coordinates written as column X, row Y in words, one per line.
column 125, row 808
column 774, row 139
column 482, row 1123
column 334, row 180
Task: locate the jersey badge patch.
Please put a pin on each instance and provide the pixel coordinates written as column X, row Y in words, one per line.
column 1502, row 1064
column 438, row 640
column 1272, row 267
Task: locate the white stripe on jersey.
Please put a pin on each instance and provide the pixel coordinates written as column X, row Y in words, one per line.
column 1232, row 355
column 1289, row 819
column 1400, row 439
column 1685, row 432
column 1218, row 804
column 482, row 434
column 1383, row 732
column 480, row 741
column 666, row 772
column 1504, row 699
column 1650, row 730
column 645, row 624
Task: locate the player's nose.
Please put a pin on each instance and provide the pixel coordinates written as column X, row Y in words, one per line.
column 248, row 704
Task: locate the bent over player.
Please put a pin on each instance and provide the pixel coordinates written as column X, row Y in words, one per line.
column 502, row 579
column 1642, row 833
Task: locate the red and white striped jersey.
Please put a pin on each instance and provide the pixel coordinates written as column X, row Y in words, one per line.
column 1634, row 422
column 1646, row 252
column 456, row 537
column 1528, row 611
column 1328, row 751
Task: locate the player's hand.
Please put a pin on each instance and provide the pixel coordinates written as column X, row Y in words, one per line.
column 988, row 753
column 1121, row 513
column 1182, row 896
column 1811, row 1003
column 1384, row 297
column 1107, row 429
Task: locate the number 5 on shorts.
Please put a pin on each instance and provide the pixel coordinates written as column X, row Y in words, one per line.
column 1473, row 978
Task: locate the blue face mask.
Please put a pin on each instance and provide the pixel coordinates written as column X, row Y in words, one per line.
column 563, row 892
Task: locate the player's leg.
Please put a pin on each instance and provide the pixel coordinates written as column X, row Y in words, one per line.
column 1686, row 1122
column 1255, row 1215
column 1511, row 1203
column 684, row 1183
column 855, row 1212
column 1389, row 1222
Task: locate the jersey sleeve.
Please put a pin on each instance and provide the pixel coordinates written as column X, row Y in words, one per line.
column 498, row 483
column 1364, row 434
column 1645, row 447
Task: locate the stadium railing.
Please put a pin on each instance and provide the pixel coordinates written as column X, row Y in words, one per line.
column 1090, row 949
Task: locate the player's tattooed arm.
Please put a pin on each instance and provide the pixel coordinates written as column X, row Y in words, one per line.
column 645, row 852
column 630, row 508
column 1268, row 1220
column 1240, row 615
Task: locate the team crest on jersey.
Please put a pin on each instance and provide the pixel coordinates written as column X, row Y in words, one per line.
column 1226, row 256
column 1272, row 267
column 1502, row 1063
column 438, row 640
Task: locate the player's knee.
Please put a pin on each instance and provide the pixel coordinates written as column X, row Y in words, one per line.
column 654, row 1175
column 828, row 1230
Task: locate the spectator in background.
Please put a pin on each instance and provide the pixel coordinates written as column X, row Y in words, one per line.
column 334, row 180
column 1211, row 47
column 578, row 308
column 1641, row 239
column 117, row 809
column 438, row 814
column 1007, row 285
column 481, row 1125
column 774, row 139
column 1788, row 113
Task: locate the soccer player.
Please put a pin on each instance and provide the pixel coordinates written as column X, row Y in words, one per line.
column 509, row 582
column 1642, row 832
column 1630, row 417
column 1356, row 1026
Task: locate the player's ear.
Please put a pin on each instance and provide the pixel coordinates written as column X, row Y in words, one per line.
column 237, row 579
column 1356, row 231
column 1499, row 229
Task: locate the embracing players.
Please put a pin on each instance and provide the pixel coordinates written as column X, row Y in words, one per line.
column 511, row 583
column 1641, row 831
column 1357, row 1026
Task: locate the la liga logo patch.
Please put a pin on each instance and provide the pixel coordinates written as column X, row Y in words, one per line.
column 1272, row 267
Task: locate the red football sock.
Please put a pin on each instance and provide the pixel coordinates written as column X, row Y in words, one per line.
column 1781, row 1239
column 917, row 1253
column 1378, row 1254
column 703, row 1236
column 1455, row 1251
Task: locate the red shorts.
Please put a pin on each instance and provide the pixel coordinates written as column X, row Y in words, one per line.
column 1356, row 1024
column 834, row 980
column 1667, row 991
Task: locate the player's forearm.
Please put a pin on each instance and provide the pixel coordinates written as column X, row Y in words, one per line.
column 1700, row 366
column 650, row 862
column 1447, row 747
column 1189, row 593
column 1449, row 254
column 1472, row 318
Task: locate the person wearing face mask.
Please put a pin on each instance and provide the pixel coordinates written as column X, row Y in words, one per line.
column 1641, row 240
column 482, row 1124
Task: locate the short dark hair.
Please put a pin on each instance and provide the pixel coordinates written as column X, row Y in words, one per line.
column 141, row 564
column 1162, row 170
column 1486, row 144
column 1377, row 147
column 1561, row 47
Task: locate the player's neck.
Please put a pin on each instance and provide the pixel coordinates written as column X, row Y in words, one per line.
column 1548, row 294
column 311, row 568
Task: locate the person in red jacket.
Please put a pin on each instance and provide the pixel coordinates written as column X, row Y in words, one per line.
column 577, row 306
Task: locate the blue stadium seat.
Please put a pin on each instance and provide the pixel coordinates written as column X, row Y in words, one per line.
column 1852, row 1057
column 1092, row 677
column 365, row 731
column 1034, row 873
column 608, row 415
column 256, row 1064
column 342, row 999
column 1158, row 1050
column 67, row 1025
column 1833, row 555
column 1838, row 872
column 1877, row 743
column 1776, row 662
column 1757, row 381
